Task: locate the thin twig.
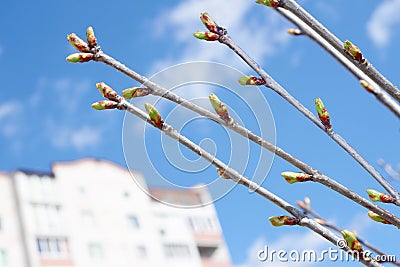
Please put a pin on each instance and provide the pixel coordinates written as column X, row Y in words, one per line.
column 380, row 94
column 318, row 177
column 366, row 67
column 237, row 177
column 271, row 83
column 308, row 210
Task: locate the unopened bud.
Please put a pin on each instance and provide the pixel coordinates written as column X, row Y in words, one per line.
column 283, row 220
column 353, row 50
column 270, row 3
column 323, row 114
column 377, row 196
column 90, row 37
column 251, row 80
column 209, row 22
column 107, row 91
column 105, row 104
column 367, row 86
column 208, row 36
column 295, row 31
column 135, row 92
column 155, row 117
column 79, row 57
column 377, row 218
column 78, row 43
column 222, row 173
column 219, row 107
column 294, row 177
column 351, row 240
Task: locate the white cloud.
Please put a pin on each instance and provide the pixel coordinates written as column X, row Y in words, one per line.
column 77, row 138
column 9, row 113
column 383, row 21
column 259, row 33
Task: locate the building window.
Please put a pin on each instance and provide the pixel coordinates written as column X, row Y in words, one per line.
column 96, row 251
column 87, row 217
column 133, row 221
column 3, row 258
column 52, row 247
column 202, row 224
column 176, row 251
column 46, row 215
column 141, row 252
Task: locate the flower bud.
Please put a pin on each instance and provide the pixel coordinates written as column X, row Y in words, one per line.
column 135, row 92
column 283, row 220
column 79, row 57
column 377, row 196
column 367, row 86
column 270, row 3
column 90, row 37
column 104, row 104
column 353, row 50
column 208, row 36
column 323, row 114
column 377, row 218
column 223, row 174
column 351, row 240
column 107, row 91
column 251, row 80
column 209, row 22
column 78, row 43
column 219, row 107
column 295, row 32
column 155, row 117
column 294, row 177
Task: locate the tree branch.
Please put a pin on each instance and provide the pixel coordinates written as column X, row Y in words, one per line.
column 367, row 67
column 318, row 177
column 276, row 87
column 380, row 94
column 237, row 177
column 306, row 207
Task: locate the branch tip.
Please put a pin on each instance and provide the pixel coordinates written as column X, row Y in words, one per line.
column 78, row 43
column 207, row 36
column 105, row 104
column 90, row 37
column 107, row 91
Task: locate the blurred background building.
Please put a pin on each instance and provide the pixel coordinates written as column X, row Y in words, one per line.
column 90, row 213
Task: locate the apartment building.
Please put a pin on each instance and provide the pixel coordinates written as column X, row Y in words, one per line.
column 90, row 213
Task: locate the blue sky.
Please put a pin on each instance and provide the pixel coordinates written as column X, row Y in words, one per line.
column 45, row 113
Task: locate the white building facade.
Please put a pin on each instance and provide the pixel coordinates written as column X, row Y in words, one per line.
column 89, row 213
